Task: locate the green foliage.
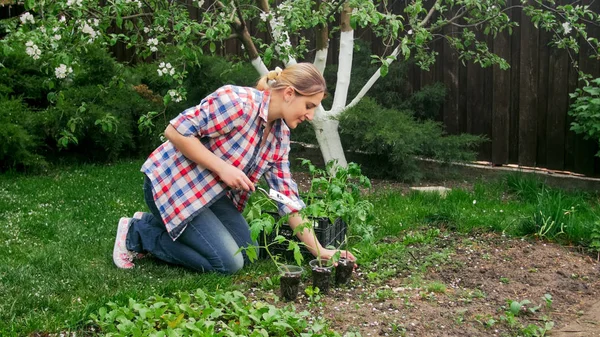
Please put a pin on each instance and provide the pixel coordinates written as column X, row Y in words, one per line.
column 18, row 140
column 397, row 138
column 263, row 226
column 595, row 239
column 202, row 313
column 335, row 192
column 97, row 124
column 586, row 111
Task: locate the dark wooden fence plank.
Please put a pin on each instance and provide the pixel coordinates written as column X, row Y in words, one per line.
column 515, row 85
column 450, row 80
column 501, row 102
column 557, row 105
column 485, row 150
column 542, row 107
column 528, row 99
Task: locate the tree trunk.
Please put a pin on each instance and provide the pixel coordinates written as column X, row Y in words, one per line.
column 326, row 130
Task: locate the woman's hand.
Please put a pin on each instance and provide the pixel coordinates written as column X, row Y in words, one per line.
column 235, row 178
column 329, row 253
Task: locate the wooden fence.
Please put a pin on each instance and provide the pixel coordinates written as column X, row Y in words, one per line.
column 523, row 110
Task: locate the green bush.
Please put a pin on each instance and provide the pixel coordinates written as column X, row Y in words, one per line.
column 394, row 138
column 21, row 78
column 17, row 141
column 586, row 111
column 98, row 125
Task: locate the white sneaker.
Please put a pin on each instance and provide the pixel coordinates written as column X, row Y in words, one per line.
column 121, row 256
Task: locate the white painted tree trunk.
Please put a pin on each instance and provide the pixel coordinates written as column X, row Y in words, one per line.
column 328, row 137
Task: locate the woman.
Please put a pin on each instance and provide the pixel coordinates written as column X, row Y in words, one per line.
column 198, row 182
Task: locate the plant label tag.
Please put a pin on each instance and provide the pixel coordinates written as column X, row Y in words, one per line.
column 282, row 198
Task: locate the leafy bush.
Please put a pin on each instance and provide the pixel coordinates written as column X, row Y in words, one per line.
column 17, row 141
column 206, row 314
column 586, row 111
column 97, row 125
column 396, row 138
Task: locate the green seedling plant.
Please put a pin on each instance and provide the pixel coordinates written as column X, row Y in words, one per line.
column 335, row 192
column 263, row 223
column 314, row 294
column 595, row 239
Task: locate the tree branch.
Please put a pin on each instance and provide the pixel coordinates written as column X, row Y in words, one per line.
column 429, row 15
column 373, row 79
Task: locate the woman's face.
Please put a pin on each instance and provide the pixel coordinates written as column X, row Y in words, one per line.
column 298, row 108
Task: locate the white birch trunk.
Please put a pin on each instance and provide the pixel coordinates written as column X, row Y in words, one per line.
column 325, row 123
column 328, row 137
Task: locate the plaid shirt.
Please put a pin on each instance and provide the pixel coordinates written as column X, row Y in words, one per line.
column 230, row 123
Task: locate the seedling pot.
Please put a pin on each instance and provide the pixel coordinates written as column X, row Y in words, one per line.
column 321, row 274
column 289, row 281
column 343, row 271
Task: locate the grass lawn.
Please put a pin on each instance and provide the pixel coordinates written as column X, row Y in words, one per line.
column 57, row 233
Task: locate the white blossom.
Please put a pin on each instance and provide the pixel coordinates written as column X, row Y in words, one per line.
column 89, row 30
column 567, row 27
column 27, row 18
column 146, row 30
column 264, row 16
column 33, row 50
column 165, row 69
column 175, row 95
column 62, row 71
column 62, row 19
column 74, row 2
column 410, row 32
column 474, row 202
column 152, row 43
column 200, row 3
column 56, row 37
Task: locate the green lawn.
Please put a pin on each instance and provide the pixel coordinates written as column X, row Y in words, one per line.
column 57, row 232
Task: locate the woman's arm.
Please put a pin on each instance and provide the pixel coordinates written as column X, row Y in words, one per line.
column 194, row 150
column 311, row 242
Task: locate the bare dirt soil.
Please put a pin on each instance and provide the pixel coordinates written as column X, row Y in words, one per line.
column 462, row 285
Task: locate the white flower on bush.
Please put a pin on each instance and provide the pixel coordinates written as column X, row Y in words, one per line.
column 27, row 18
column 62, row 71
column 566, row 27
column 62, row 19
column 74, row 2
column 152, row 43
column 264, row 16
column 93, row 22
column 200, row 3
column 56, row 37
column 165, row 69
column 137, row 2
column 32, row 50
column 175, row 96
column 43, row 29
column 146, row 30
column 90, row 31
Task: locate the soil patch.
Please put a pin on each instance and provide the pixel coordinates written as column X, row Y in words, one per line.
column 462, row 286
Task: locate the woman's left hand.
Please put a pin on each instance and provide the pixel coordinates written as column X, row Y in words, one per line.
column 329, row 253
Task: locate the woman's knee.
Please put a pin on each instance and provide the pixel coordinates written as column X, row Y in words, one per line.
column 231, row 264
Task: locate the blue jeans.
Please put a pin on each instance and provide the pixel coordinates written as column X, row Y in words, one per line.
column 208, row 243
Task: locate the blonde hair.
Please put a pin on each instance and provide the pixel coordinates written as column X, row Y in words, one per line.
column 305, row 78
